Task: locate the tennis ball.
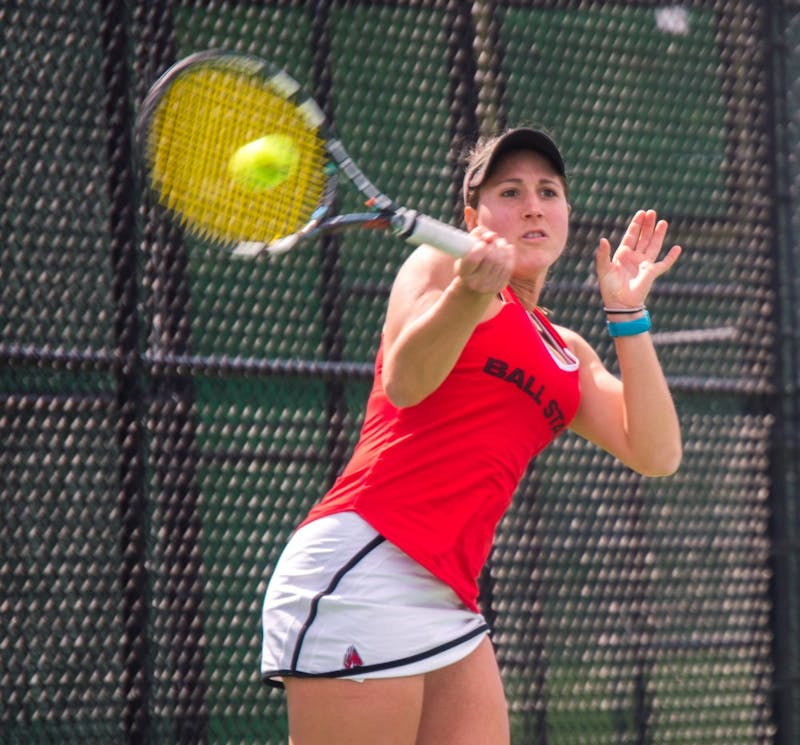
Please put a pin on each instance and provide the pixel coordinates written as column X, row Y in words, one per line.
column 264, row 163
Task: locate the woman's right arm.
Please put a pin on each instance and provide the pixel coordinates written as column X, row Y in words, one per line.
column 433, row 309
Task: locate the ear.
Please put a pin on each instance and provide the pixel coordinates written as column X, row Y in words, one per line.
column 470, row 217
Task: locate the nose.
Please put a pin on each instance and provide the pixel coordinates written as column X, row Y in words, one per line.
column 533, row 206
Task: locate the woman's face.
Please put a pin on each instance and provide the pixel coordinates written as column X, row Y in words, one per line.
column 524, row 200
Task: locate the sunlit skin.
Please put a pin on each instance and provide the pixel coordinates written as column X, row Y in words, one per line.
column 520, row 225
column 520, row 228
column 524, row 202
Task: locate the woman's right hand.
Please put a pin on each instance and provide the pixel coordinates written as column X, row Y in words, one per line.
column 488, row 266
column 433, row 309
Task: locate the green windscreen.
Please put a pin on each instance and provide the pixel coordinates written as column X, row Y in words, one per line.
column 170, row 413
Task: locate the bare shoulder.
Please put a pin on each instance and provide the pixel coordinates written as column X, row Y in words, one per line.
column 425, row 270
column 421, row 279
column 426, row 265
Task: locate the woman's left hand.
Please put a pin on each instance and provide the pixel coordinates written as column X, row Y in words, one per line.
column 626, row 278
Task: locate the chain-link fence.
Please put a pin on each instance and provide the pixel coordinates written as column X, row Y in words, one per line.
column 168, row 413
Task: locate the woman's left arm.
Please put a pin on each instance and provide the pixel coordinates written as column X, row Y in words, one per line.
column 633, row 417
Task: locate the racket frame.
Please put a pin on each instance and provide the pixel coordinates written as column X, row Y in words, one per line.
column 382, row 213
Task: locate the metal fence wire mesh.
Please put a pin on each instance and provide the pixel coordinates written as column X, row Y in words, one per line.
column 169, row 413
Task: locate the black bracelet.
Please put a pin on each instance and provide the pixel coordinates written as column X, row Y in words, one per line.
column 622, row 311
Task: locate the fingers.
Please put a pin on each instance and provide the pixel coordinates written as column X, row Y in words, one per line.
column 668, row 261
column 488, row 266
column 603, row 258
column 627, row 276
column 632, row 235
column 645, row 235
column 656, row 240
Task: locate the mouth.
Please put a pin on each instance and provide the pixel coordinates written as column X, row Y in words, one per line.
column 532, row 235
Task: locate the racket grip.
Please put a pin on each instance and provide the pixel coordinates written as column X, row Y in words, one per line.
column 416, row 228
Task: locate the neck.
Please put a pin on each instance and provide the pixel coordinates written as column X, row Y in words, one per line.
column 527, row 291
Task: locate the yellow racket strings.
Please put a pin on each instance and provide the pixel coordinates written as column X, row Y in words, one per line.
column 202, row 119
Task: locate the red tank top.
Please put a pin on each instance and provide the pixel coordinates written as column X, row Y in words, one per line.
column 436, row 478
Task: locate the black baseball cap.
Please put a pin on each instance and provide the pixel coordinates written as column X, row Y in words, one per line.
column 522, row 138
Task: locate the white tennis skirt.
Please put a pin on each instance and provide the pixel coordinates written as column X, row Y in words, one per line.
column 343, row 602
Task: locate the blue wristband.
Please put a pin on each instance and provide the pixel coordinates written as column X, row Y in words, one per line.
column 629, row 328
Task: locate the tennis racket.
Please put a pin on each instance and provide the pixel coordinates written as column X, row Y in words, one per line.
column 206, row 107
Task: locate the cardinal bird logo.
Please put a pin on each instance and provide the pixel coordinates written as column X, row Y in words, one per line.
column 352, row 658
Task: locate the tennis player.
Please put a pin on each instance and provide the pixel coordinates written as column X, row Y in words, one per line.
column 371, row 620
